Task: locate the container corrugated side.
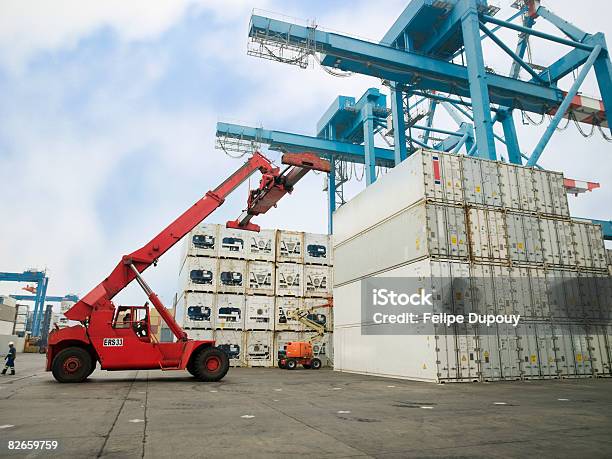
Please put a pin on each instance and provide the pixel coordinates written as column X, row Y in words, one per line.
column 425, row 229
column 419, row 177
column 524, row 238
column 481, row 182
column 487, row 234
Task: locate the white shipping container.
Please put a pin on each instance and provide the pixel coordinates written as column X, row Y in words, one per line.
column 509, row 352
column 198, row 310
column 289, row 279
column 229, row 311
column 524, row 239
column 202, row 335
column 283, row 305
column 289, row 246
column 232, row 276
column 199, row 274
column 527, row 189
column 481, row 182
column 261, row 245
column 66, row 305
column 318, row 249
column 600, row 356
column 425, row 229
column 22, row 309
column 488, row 236
column 259, row 313
column 423, row 176
column 510, row 186
column 320, row 312
column 232, row 342
column 203, row 240
column 317, row 281
column 259, row 348
column 233, row 243
column 551, row 198
column 261, row 277
column 590, row 246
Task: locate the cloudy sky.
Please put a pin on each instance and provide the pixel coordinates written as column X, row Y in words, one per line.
column 108, row 113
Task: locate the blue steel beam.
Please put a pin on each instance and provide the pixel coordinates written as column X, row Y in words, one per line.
column 48, row 299
column 606, row 228
column 347, row 53
column 567, row 28
column 399, row 124
column 536, row 33
column 512, row 54
column 284, row 141
column 603, row 73
column 550, row 130
column 479, row 88
column 368, row 144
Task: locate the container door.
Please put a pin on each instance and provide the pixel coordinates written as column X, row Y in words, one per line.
column 528, row 348
column 546, row 351
column 509, row 352
column 564, row 350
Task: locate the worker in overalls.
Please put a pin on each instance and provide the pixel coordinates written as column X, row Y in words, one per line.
column 10, row 359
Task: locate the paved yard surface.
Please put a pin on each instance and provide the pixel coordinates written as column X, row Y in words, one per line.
column 281, row 413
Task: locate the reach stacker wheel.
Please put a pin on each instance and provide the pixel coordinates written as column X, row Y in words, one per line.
column 209, row 364
column 72, row 365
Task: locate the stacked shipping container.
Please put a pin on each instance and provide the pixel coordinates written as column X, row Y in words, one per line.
column 237, row 287
column 503, row 236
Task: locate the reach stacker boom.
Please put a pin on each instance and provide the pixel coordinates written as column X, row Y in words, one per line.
column 119, row 337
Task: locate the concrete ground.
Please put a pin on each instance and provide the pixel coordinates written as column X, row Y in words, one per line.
column 281, row 413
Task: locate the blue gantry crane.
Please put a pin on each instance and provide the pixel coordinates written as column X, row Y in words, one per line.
column 42, row 281
column 433, row 57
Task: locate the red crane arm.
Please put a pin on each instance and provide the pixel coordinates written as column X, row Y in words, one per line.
column 144, row 257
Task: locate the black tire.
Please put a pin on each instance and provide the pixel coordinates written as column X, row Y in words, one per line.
column 72, row 365
column 316, row 364
column 307, row 366
column 291, row 364
column 210, row 364
column 190, row 368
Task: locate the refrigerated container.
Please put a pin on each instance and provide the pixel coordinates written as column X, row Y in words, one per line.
column 524, row 238
column 289, row 246
column 423, row 230
column 261, row 277
column 229, row 311
column 550, row 193
column 232, row 342
column 259, row 348
column 318, row 249
column 197, row 310
column 317, row 281
column 487, row 234
column 320, row 312
column 233, row 242
column 259, row 312
column 589, row 245
column 199, row 274
column 197, row 334
column 289, row 279
column 481, row 182
column 261, row 245
column 203, row 240
column 232, row 276
column 282, row 306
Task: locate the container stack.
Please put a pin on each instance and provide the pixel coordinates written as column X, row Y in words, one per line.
column 238, row 286
column 488, row 238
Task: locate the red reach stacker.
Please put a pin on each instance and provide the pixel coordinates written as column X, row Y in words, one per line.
column 119, row 337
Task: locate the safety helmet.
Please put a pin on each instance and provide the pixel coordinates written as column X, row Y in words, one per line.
column 11, row 343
